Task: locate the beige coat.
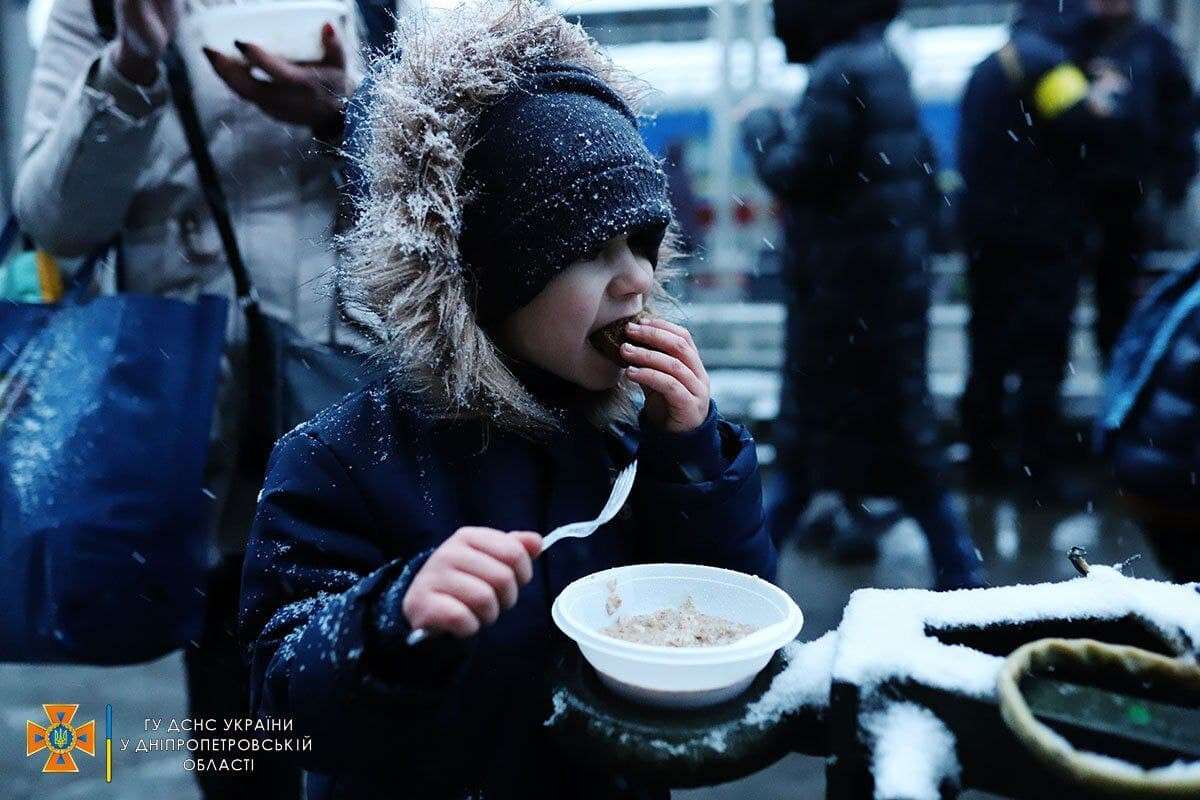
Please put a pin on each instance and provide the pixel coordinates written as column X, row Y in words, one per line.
column 103, row 157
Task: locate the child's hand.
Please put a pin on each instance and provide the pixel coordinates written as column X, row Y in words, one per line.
column 666, row 364
column 470, row 579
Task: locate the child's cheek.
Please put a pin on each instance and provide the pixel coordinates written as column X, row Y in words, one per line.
column 569, row 315
column 577, row 318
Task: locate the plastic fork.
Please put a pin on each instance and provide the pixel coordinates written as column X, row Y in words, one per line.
column 574, row 530
column 577, row 530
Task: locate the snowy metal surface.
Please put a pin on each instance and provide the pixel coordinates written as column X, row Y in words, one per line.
column 697, row 747
column 885, row 634
column 913, row 753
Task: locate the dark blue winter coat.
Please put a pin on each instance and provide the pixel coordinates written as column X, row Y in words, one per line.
column 1022, row 168
column 356, row 500
column 1155, row 144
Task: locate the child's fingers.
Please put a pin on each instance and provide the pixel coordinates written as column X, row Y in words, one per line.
column 441, row 612
column 667, row 325
column 495, row 573
column 502, row 547
column 532, row 542
column 676, row 395
column 670, row 341
column 663, row 362
column 474, row 593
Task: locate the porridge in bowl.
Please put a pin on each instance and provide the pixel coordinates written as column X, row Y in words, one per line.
column 685, row 626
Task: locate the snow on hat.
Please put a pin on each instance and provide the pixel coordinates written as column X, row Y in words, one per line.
column 403, row 263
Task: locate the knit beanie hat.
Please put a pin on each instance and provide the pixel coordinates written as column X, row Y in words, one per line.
column 557, row 169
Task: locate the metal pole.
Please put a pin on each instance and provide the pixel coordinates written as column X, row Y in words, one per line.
column 758, row 35
column 8, row 29
column 1188, row 32
column 722, row 253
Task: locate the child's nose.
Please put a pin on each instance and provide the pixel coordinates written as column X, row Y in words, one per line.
column 635, row 276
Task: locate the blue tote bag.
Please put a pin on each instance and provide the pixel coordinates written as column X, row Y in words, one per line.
column 106, row 405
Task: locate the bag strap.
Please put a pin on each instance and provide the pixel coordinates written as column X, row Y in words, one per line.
column 256, row 442
column 210, row 183
column 104, row 13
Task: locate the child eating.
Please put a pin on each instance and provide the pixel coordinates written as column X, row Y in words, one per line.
column 512, row 217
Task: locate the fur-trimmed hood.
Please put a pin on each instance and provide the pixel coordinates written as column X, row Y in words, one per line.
column 401, row 260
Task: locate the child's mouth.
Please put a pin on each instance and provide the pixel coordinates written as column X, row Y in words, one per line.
column 609, row 338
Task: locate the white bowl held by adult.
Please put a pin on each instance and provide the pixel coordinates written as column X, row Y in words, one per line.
column 290, row 29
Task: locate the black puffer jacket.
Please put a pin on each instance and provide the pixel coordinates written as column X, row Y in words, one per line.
column 853, row 168
column 1156, row 142
column 1155, row 448
column 1159, row 453
column 1149, row 422
column 1022, row 161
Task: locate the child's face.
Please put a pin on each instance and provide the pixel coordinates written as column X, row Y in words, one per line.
column 552, row 331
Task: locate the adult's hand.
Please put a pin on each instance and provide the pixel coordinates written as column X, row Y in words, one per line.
column 144, row 28
column 299, row 93
column 1109, row 86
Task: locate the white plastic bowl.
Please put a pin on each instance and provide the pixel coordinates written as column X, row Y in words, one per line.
column 677, row 677
column 288, row 28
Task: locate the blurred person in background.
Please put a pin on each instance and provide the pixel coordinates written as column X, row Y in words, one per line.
column 1027, row 113
column 1148, row 430
column 853, row 168
column 1142, row 167
column 104, row 160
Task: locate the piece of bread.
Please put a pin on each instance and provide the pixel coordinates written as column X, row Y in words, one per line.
column 608, row 340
